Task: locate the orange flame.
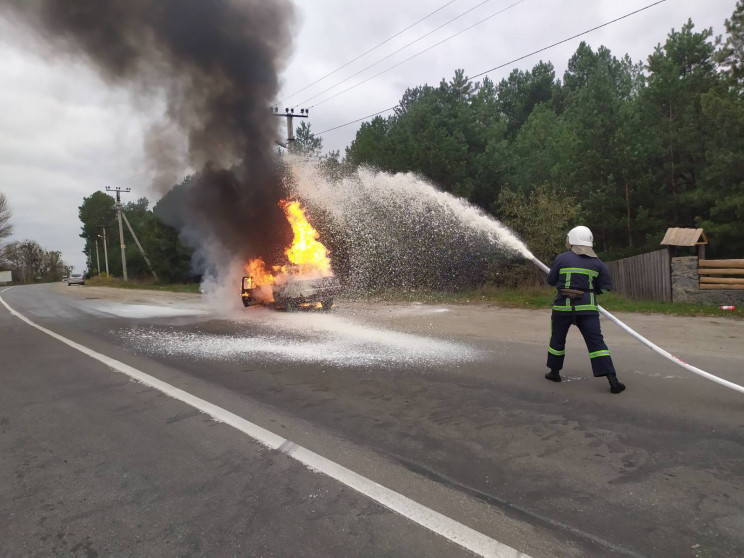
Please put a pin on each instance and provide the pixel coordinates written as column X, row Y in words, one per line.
column 259, row 272
column 307, row 256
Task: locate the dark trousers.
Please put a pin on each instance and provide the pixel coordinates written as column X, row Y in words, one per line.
column 588, row 324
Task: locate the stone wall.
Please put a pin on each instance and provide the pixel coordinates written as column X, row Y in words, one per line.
column 685, row 286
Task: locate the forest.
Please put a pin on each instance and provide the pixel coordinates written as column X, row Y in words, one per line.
column 627, row 148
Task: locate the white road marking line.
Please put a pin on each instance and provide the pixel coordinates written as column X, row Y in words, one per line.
column 456, row 532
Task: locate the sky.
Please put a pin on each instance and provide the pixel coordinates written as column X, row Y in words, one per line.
column 64, row 133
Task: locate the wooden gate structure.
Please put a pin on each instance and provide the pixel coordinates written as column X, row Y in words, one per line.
column 649, row 276
column 643, row 277
column 716, row 274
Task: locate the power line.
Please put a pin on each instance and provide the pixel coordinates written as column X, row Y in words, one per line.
column 566, row 40
column 357, row 120
column 415, row 55
column 512, row 61
column 368, row 51
column 395, row 52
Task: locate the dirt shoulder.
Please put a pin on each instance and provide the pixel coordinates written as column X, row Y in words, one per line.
column 703, row 335
column 482, row 321
column 126, row 296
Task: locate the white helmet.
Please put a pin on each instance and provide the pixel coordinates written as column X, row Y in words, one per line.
column 580, row 236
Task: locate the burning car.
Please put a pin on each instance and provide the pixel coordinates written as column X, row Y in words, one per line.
column 295, row 293
column 306, row 281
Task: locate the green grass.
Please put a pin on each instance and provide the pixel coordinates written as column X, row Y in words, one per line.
column 535, row 298
column 617, row 303
column 542, row 298
column 142, row 284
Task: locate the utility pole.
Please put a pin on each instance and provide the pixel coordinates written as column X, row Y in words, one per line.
column 105, row 249
column 98, row 258
column 120, row 215
column 121, row 229
column 289, row 115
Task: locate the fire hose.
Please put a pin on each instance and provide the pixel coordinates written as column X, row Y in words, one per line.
column 655, row 347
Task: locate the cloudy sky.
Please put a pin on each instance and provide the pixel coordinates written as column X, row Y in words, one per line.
column 65, row 134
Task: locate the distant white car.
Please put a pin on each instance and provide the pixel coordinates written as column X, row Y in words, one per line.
column 75, row 279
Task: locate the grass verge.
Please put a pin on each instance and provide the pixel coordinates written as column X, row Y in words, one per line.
column 140, row 284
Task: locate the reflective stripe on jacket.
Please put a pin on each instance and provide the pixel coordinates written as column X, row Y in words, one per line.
column 585, row 273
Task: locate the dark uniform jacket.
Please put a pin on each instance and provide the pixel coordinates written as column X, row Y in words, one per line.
column 580, row 272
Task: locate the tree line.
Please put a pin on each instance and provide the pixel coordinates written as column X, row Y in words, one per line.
column 170, row 258
column 27, row 261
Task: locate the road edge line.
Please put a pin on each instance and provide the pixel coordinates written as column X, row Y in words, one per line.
column 434, row 521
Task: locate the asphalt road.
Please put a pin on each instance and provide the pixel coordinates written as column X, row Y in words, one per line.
column 446, row 408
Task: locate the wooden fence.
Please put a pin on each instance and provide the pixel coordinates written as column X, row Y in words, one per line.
column 710, row 272
column 644, row 277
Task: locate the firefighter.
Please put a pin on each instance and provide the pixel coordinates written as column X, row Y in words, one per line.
column 579, row 275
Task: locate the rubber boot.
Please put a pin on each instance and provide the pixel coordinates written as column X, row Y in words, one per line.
column 615, row 385
column 553, row 376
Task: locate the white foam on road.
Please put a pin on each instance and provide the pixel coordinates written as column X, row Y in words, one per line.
column 436, row 522
column 658, row 375
column 303, row 337
column 140, row 311
column 418, row 309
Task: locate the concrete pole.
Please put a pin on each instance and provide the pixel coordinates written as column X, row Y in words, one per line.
column 290, row 134
column 289, row 114
column 121, row 228
column 98, row 258
column 121, row 240
column 142, row 250
column 105, row 250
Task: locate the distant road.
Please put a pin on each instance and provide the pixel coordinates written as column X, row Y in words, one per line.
column 438, row 412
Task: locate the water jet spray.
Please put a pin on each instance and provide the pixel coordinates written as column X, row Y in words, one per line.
column 653, row 346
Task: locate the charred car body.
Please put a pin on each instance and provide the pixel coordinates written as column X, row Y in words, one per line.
column 304, row 281
column 296, row 292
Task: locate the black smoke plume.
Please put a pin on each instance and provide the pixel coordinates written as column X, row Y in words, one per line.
column 216, row 63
